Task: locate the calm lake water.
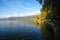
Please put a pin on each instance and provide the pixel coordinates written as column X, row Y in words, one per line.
column 18, row 30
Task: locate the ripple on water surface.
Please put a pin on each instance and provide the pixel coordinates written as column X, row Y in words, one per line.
column 14, row 30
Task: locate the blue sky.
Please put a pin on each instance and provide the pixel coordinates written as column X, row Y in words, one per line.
column 19, row 7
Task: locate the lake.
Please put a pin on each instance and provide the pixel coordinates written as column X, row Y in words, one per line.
column 18, row 30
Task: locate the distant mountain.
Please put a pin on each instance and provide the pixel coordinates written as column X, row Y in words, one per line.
column 26, row 19
column 18, row 18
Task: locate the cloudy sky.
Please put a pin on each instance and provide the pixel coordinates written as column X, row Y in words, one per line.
column 19, row 8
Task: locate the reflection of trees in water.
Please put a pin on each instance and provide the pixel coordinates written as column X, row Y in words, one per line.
column 47, row 31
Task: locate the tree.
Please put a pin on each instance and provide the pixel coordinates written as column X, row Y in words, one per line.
column 52, row 5
column 52, row 10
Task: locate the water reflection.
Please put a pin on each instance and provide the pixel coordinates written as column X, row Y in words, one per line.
column 18, row 30
column 47, row 31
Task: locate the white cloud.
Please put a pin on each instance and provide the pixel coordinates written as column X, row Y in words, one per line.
column 20, row 15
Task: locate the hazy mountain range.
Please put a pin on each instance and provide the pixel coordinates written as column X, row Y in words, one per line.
column 26, row 19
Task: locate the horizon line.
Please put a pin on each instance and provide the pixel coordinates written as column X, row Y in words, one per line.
column 19, row 15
